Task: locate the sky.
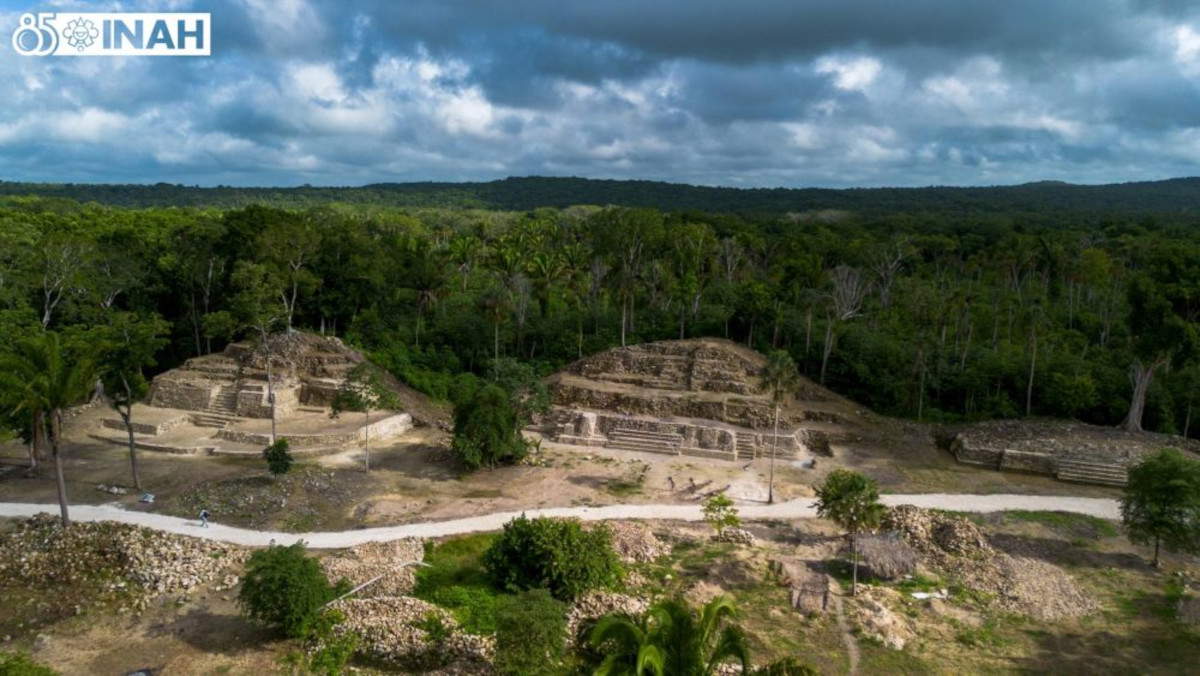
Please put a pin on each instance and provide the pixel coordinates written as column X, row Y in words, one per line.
column 746, row 93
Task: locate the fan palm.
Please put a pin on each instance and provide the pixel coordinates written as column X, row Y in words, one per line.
column 40, row 378
column 781, row 379
column 670, row 639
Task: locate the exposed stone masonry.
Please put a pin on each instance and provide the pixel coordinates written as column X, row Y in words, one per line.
column 690, row 397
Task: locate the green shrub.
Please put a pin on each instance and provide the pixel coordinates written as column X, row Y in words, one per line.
column 456, row 580
column 284, row 589
column 473, row 606
column 331, row 650
column 531, row 634
column 20, row 664
column 720, row 513
column 557, row 554
column 279, row 459
column 487, row 430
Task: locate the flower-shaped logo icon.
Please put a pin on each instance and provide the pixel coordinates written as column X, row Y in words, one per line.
column 81, row 33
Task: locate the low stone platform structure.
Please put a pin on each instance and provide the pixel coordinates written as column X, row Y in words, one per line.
column 700, row 397
column 1074, row 452
column 219, row 403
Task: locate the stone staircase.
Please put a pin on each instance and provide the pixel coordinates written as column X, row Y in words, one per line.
column 211, row 419
column 745, row 445
column 225, row 402
column 645, row 441
column 1080, row 471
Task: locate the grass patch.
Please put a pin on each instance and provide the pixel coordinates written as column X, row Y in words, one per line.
column 986, row 635
column 919, row 583
column 456, row 580
column 1079, row 525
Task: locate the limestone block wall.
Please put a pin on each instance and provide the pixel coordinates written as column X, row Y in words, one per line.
column 144, row 427
column 733, row 410
column 189, row 395
column 318, row 392
column 386, row 428
column 970, row 454
column 1028, row 461
column 252, row 400
column 589, row 428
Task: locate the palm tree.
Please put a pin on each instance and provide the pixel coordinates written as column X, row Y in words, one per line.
column 781, row 379
column 669, row 639
column 43, row 380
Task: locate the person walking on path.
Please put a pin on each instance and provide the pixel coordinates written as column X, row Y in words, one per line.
column 204, row 518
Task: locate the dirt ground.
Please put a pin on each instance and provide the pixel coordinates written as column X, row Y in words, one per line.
column 415, row 478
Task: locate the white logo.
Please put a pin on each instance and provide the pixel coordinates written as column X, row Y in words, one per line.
column 114, row 34
column 81, row 33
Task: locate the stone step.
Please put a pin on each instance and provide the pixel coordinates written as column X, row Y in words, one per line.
column 1079, row 471
column 643, row 446
column 634, row 434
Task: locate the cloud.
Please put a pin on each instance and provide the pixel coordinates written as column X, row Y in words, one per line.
column 768, row 92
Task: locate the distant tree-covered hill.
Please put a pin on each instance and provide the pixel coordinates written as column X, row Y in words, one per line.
column 1176, row 196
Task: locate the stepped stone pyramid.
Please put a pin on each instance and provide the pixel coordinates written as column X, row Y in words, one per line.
column 700, row 397
column 219, row 403
column 306, row 370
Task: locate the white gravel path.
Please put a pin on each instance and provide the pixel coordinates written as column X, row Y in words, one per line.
column 795, row 509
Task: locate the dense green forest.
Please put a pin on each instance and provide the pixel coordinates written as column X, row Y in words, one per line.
column 938, row 316
column 1175, row 196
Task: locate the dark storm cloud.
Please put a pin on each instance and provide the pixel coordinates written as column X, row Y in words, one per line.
column 757, row 92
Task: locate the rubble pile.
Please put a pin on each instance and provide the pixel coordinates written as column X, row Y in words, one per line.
column 366, row 561
column 40, row 552
column 412, row 634
column 634, row 542
column 873, row 614
column 596, row 604
column 955, row 547
column 737, row 536
column 937, row 535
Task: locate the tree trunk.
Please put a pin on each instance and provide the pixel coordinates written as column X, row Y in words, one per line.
column 271, row 397
column 127, row 416
column 1157, row 563
column 854, row 564
column 1032, row 366
column 1140, row 375
column 623, row 310
column 60, row 481
column 827, row 350
column 774, row 444
column 367, row 439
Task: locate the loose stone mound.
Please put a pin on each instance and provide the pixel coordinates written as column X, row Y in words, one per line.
column 737, row 536
column 687, row 397
column 366, row 561
column 147, row 563
column 634, row 542
column 955, row 547
column 872, row 612
column 593, row 605
column 396, row 630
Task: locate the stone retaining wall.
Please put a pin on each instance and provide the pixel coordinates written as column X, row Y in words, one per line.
column 391, row 426
column 189, row 395
column 144, row 427
column 593, row 428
